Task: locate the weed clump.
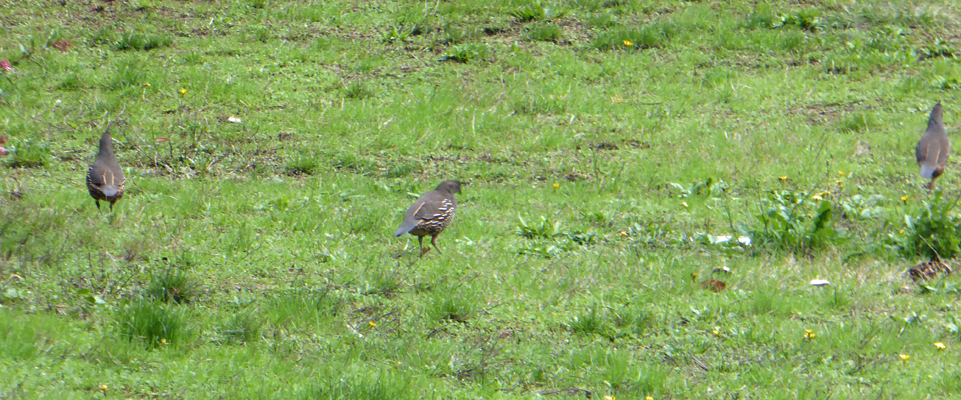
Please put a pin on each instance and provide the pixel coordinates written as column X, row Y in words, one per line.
column 631, row 320
column 858, row 122
column 172, row 285
column 806, row 19
column 546, row 33
column 934, row 234
column 243, row 328
column 940, row 48
column 140, row 41
column 303, row 307
column 400, row 170
column 588, row 323
column 129, row 73
column 353, row 163
column 451, row 306
column 536, row 11
column 29, row 154
column 153, row 322
column 358, row 91
column 550, row 238
column 649, row 37
column 464, row 53
column 304, row 164
column 366, row 385
column 70, row 82
column 795, row 222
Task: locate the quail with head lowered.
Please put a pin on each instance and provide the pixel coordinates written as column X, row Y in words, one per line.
column 430, row 214
column 934, row 148
column 105, row 178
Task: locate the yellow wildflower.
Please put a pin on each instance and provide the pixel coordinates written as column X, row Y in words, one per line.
column 372, row 324
column 783, row 178
column 716, row 331
column 809, row 334
column 183, row 91
column 904, row 199
column 556, row 185
column 904, row 357
column 628, row 43
column 939, row 346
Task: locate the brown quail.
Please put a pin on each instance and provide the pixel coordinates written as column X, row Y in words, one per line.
column 928, row 270
column 430, row 214
column 934, row 148
column 105, row 178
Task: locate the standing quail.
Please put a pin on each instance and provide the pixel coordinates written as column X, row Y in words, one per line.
column 105, row 178
column 430, row 214
column 934, row 148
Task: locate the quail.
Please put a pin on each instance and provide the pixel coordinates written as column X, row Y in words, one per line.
column 929, row 270
column 430, row 214
column 105, row 178
column 934, row 148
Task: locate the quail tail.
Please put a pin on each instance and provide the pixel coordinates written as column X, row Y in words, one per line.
column 109, row 190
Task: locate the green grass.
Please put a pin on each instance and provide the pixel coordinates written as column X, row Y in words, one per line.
column 609, row 151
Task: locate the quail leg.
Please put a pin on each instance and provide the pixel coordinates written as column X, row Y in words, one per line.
column 420, row 242
column 433, row 241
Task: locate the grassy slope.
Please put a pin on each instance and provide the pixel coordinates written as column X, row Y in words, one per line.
column 283, row 222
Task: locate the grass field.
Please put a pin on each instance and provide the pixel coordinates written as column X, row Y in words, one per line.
column 271, row 149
